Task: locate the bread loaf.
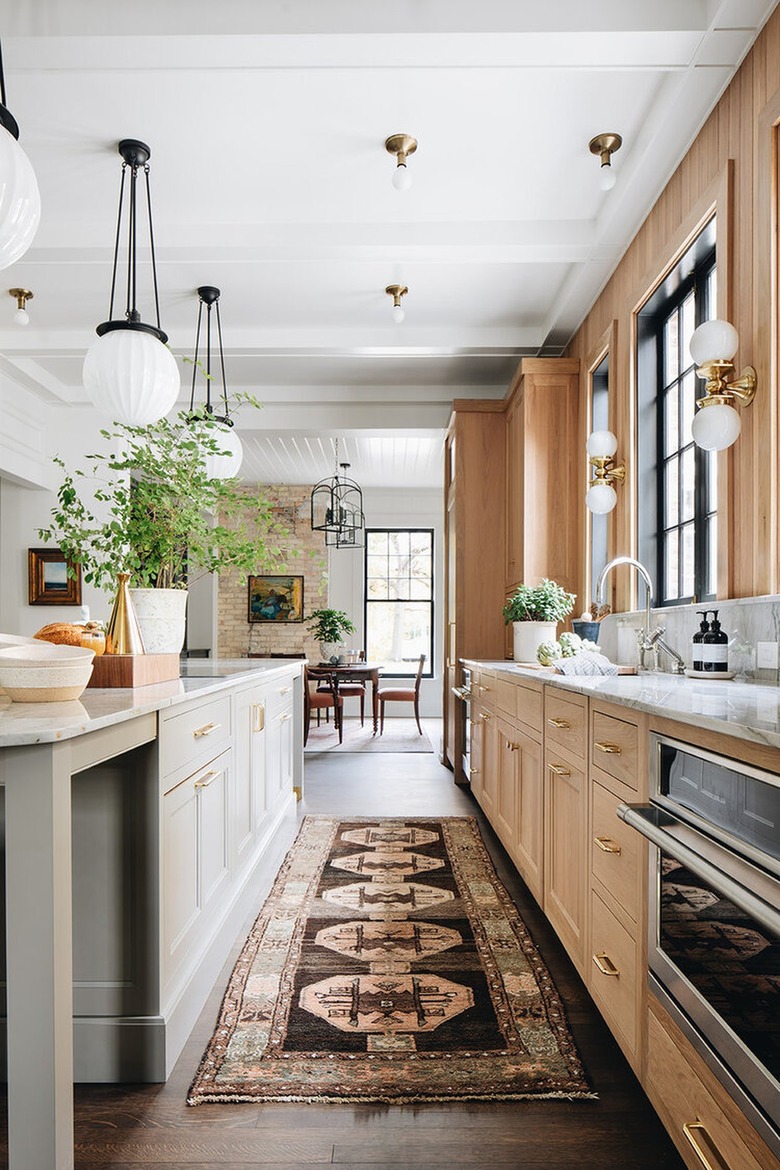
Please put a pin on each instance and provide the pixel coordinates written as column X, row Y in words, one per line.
column 62, row 633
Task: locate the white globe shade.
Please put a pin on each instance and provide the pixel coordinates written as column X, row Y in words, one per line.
column 714, row 341
column 20, row 200
column 607, row 178
column 398, row 314
column 226, row 464
column 601, row 445
column 21, row 317
column 601, row 498
column 131, row 377
column 402, row 180
column 716, row 427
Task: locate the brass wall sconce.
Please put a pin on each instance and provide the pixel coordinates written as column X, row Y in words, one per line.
column 601, row 496
column 21, row 296
column 716, row 424
column 605, row 145
column 401, row 145
column 396, row 291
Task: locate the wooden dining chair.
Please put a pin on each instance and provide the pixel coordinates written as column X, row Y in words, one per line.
column 355, row 689
column 405, row 695
column 320, row 700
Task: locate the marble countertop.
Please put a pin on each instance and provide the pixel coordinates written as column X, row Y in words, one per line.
column 749, row 711
column 28, row 723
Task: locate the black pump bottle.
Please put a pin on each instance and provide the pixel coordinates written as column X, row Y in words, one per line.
column 696, row 662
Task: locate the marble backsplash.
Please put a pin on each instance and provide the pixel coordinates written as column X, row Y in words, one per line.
column 746, row 621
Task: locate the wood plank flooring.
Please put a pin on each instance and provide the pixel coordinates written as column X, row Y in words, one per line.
column 151, row 1127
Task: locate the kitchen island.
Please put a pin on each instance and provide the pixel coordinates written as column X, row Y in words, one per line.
column 133, row 822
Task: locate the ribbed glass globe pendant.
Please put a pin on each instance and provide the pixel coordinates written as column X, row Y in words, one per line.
column 20, row 200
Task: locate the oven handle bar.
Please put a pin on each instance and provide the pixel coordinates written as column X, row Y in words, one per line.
column 642, row 817
column 461, row 693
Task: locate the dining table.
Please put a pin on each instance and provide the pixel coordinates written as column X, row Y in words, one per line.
column 344, row 672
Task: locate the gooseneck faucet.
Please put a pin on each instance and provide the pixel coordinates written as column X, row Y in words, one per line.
column 648, row 639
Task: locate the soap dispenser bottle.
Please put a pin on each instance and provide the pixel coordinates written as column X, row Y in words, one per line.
column 715, row 648
column 696, row 661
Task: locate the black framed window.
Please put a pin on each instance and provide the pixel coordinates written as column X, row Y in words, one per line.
column 678, row 521
column 399, row 598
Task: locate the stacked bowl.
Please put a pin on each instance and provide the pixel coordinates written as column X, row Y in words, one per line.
column 38, row 672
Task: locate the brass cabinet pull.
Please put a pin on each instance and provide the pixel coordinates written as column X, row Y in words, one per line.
column 560, row 723
column 206, row 779
column 483, row 715
column 258, row 717
column 607, row 845
column 512, row 747
column 206, row 729
column 609, row 749
column 473, row 771
column 559, row 770
column 284, row 690
column 710, row 1160
column 605, row 964
column 284, row 718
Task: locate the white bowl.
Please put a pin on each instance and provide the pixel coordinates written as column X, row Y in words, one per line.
column 17, row 640
column 44, row 682
column 43, row 653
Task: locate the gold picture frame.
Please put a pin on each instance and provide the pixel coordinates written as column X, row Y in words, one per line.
column 275, row 599
column 49, row 581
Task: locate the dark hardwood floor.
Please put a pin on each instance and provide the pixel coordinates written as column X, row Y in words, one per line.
column 149, row 1126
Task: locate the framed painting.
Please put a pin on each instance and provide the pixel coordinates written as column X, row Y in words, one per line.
column 275, row 599
column 48, row 582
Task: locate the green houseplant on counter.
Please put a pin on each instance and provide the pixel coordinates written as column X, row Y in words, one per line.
column 146, row 505
column 534, row 611
column 329, row 627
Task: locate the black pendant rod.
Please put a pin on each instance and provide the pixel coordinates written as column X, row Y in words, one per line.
column 222, row 365
column 195, row 359
column 116, row 244
column 151, row 245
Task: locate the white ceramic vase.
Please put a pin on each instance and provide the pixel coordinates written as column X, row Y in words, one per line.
column 162, row 616
column 528, row 636
column 331, row 650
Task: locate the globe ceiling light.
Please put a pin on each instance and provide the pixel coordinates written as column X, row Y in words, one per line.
column 129, row 373
column 225, row 463
column 717, row 424
column 401, row 145
column 21, row 296
column 20, row 199
column 601, row 496
column 396, row 291
column 605, row 145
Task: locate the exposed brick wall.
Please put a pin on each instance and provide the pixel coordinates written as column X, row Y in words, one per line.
column 305, row 555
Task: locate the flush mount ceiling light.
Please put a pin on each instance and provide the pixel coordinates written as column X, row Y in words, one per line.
column 129, row 373
column 605, row 145
column 337, row 509
column 716, row 424
column 601, row 496
column 401, row 145
column 396, row 291
column 20, row 200
column 225, row 464
column 21, row 296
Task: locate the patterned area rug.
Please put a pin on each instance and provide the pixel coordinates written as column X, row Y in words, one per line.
column 389, row 964
column 400, row 735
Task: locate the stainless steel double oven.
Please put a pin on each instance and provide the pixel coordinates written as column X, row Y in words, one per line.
column 714, row 915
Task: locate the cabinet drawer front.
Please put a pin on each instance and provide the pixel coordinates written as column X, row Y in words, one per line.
column 615, row 850
column 484, row 692
column 278, row 696
column 530, row 707
column 194, row 735
column 615, row 748
column 565, row 721
column 506, row 697
column 613, row 970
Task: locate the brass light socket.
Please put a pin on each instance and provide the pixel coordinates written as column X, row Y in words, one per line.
column 396, row 291
column 401, row 145
column 23, row 295
column 605, row 146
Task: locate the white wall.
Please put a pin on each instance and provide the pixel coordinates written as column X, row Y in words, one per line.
column 395, row 508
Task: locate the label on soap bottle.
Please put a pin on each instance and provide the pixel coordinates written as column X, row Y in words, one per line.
column 714, row 656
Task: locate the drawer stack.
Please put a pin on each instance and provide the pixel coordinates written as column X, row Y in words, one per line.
column 565, row 812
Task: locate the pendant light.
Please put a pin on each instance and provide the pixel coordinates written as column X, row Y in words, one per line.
column 20, row 200
column 129, row 373
column 337, row 509
column 224, row 465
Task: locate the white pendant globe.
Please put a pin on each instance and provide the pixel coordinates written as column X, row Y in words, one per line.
column 601, row 498
column 225, row 465
column 20, row 200
column 716, row 427
column 714, row 341
column 402, row 180
column 131, row 377
column 601, row 445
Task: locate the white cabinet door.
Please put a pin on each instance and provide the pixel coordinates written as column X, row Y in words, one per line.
column 250, row 806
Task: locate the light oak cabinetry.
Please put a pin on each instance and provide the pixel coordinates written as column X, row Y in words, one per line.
column 565, row 818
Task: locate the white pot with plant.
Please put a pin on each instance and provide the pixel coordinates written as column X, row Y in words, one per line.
column 534, row 611
column 329, row 627
column 148, row 506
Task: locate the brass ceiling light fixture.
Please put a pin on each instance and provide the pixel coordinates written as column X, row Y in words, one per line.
column 21, row 296
column 401, row 145
column 605, row 145
column 396, row 291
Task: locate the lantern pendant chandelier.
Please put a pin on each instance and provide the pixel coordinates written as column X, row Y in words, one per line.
column 20, row 200
column 226, row 463
column 129, row 373
column 337, row 509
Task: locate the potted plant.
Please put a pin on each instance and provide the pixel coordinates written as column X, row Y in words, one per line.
column 148, row 506
column 329, row 626
column 535, row 611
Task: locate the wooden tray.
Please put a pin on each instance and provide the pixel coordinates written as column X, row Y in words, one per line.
column 133, row 670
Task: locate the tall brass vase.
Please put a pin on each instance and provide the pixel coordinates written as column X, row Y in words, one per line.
column 123, row 635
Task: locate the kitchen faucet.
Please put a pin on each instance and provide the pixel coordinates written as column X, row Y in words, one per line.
column 647, row 639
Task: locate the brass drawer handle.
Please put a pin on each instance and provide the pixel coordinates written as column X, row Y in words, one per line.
column 473, row 771
column 609, row 749
column 607, row 845
column 206, row 779
column 512, row 747
column 485, row 689
column 605, row 965
column 560, row 723
column 258, row 717
column 559, row 770
column 284, row 718
column 710, row 1160
column 206, row 729
column 484, row 715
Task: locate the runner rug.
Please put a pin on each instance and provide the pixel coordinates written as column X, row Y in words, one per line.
column 389, row 964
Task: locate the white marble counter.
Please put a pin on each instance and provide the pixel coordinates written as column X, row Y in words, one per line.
column 28, row 723
column 749, row 711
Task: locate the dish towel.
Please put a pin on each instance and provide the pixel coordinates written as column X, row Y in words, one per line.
column 588, row 662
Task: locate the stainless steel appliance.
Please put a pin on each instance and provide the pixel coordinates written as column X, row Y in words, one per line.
column 463, row 693
column 714, row 915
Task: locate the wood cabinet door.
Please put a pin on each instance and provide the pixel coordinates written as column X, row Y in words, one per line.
column 528, row 849
column 566, row 826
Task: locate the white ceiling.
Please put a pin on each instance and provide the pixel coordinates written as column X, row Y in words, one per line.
column 267, row 121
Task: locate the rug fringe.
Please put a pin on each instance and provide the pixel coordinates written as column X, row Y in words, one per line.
column 249, row 1098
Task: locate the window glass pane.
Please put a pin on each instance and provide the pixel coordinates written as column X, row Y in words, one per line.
column 376, row 542
column 420, row 588
column 671, row 564
column 420, row 542
column 672, row 419
column 688, row 326
column 712, row 481
column 688, row 564
column 398, row 634
column 689, row 392
column 688, row 484
column 397, row 589
column 421, row 566
column 377, row 589
column 399, row 599
column 671, row 335
column 672, row 493
column 398, row 543
column 376, row 566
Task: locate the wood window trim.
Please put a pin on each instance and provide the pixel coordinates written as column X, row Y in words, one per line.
column 606, row 346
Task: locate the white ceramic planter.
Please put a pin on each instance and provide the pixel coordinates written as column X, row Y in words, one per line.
column 161, row 615
column 331, row 650
column 528, row 636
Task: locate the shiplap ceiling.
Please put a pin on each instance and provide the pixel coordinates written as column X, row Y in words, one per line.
column 267, row 123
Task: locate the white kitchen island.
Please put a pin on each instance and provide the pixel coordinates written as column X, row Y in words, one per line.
column 134, row 820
